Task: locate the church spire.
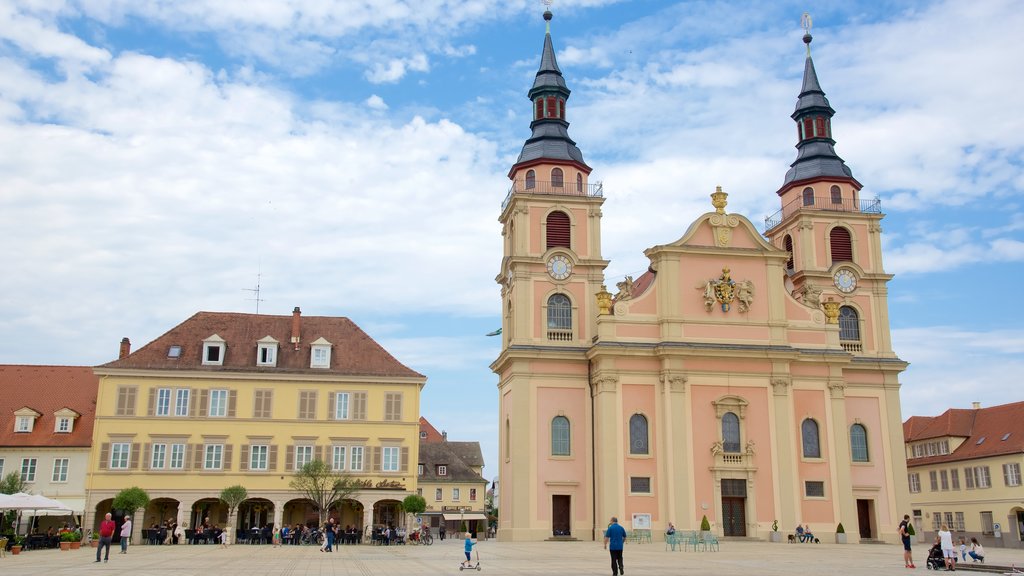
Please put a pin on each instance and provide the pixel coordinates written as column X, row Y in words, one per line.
column 550, row 140
column 816, row 157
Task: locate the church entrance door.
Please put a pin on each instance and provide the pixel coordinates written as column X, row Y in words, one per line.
column 560, row 515
column 864, row 518
column 734, row 507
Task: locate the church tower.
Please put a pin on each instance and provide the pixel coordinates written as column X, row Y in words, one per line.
column 831, row 233
column 550, row 273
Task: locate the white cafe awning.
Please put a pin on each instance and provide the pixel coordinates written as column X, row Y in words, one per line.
column 466, row 516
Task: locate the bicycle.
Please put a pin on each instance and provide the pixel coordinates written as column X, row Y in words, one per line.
column 312, row 537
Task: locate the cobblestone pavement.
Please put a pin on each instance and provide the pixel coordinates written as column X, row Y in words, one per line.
column 735, row 558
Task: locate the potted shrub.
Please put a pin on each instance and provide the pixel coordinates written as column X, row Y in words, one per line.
column 19, row 541
column 94, row 538
column 840, row 534
column 65, row 540
column 705, row 526
column 76, row 539
column 774, row 535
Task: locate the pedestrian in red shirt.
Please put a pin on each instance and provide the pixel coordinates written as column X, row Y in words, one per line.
column 107, row 528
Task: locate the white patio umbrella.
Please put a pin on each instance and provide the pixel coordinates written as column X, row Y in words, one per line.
column 23, row 501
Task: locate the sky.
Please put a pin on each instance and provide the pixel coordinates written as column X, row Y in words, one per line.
column 350, row 157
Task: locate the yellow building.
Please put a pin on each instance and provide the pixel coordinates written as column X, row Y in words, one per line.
column 451, row 480
column 228, row 399
column 964, row 470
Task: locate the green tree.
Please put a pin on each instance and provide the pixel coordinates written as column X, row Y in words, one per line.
column 12, row 484
column 414, row 504
column 131, row 499
column 322, row 486
column 232, row 496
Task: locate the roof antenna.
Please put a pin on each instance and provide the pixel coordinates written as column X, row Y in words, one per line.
column 805, row 23
column 256, row 292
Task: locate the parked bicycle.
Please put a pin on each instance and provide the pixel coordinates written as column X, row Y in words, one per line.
column 312, row 537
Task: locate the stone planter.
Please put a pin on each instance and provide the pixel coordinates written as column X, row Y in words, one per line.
column 775, row 537
column 65, row 545
column 840, row 537
column 94, row 543
column 16, row 549
column 75, row 545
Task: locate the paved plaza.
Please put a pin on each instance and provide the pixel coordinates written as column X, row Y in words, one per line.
column 735, row 558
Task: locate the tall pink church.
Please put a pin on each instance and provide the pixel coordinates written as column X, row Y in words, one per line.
column 743, row 377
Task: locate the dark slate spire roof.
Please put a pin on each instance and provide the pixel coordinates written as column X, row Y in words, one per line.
column 550, row 139
column 816, row 157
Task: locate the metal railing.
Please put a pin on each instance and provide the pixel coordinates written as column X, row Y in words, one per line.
column 595, row 190
column 822, row 204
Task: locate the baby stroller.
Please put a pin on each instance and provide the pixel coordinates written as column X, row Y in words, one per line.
column 935, row 560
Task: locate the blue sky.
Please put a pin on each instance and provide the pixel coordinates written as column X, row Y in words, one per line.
column 158, row 155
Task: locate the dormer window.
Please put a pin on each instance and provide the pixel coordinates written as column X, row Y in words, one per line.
column 64, row 421
column 442, row 470
column 213, row 351
column 25, row 420
column 320, row 354
column 266, row 352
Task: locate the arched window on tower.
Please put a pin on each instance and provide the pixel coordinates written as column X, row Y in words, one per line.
column 579, row 183
column 550, row 108
column 531, row 179
column 561, row 109
column 788, row 244
column 858, row 443
column 558, row 230
column 819, row 127
column 730, row 432
column 809, row 438
column 849, row 329
column 559, row 318
column 837, row 195
column 556, row 178
column 638, row 435
column 559, row 436
column 808, row 196
column 538, row 112
column 808, row 128
column 840, row 245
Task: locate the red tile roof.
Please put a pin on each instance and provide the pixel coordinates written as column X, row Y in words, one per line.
column 47, row 389
column 984, row 430
column 353, row 352
column 432, row 434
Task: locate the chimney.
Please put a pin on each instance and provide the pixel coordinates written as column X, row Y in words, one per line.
column 126, row 348
column 296, row 325
column 976, row 405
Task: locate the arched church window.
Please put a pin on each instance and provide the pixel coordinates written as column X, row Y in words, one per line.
column 730, row 432
column 558, row 228
column 788, row 244
column 808, row 196
column 638, row 434
column 556, row 178
column 559, row 436
column 840, row 245
column 858, row 443
column 579, row 183
column 531, row 179
column 809, row 437
column 849, row 324
column 559, row 317
column 837, row 195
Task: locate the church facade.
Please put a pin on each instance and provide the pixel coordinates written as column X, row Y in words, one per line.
column 745, row 378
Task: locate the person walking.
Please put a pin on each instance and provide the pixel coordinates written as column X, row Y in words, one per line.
column 946, row 543
column 905, row 538
column 126, row 534
column 614, row 539
column 107, row 528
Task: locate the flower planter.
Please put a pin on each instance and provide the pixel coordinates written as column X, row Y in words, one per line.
column 94, row 543
column 75, row 545
column 64, row 546
column 841, row 538
column 775, row 537
column 16, row 549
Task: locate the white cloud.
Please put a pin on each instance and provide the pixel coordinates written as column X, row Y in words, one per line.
column 375, row 102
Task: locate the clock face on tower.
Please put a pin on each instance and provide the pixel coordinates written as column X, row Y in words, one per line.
column 559, row 267
column 845, row 280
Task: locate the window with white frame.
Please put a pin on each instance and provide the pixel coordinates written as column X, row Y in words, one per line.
column 437, row 494
column 64, row 425
column 163, row 402
column 120, row 453
column 1011, row 474
column 936, row 521
column 338, row 458
column 442, row 470
column 949, row 519
column 355, row 460
column 1, row 467
column 954, row 478
column 419, row 469
column 977, row 477
column 958, row 524
column 158, row 461
column 266, row 352
column 390, row 456
column 915, row 482
column 258, row 456
column 177, row 457
column 60, row 470
column 944, row 480
column 303, row 456
column 28, row 469
column 181, row 397
column 814, row 489
column 456, row 494
column 933, row 479
column 218, row 403
column 213, row 351
column 987, row 525
column 24, row 424
column 640, row 484
column 472, row 494
column 320, row 354
column 213, row 459
column 341, row 406
column 419, row 492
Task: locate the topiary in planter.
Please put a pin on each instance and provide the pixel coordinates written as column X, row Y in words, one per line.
column 704, row 524
column 840, row 529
